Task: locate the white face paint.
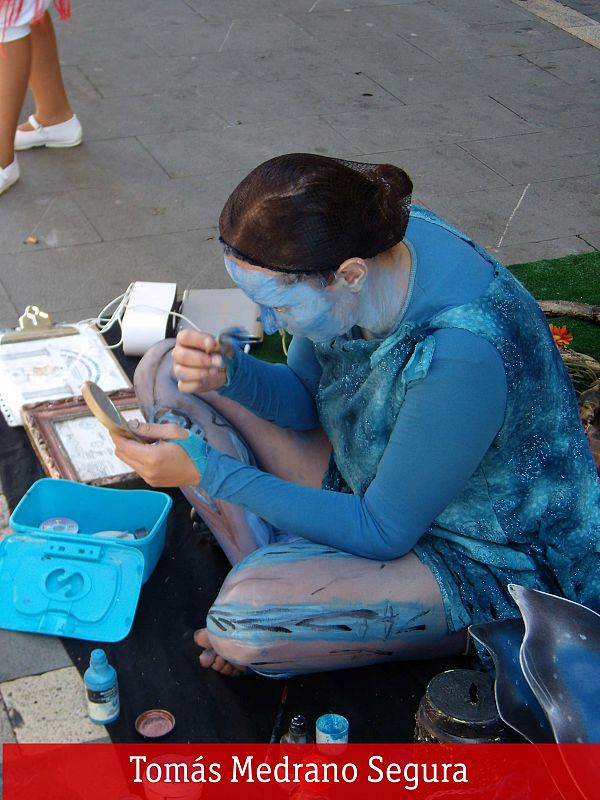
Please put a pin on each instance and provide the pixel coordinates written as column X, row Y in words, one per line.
column 304, row 308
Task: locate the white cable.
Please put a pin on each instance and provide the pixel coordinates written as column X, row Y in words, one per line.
column 106, row 323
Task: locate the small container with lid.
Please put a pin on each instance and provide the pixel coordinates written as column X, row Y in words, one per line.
column 459, row 707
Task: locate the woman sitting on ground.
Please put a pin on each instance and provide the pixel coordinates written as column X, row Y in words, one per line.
column 420, row 450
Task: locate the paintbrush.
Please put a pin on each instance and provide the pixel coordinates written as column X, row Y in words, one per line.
column 279, row 715
column 231, row 339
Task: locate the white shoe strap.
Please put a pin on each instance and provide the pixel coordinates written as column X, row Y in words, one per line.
column 34, row 123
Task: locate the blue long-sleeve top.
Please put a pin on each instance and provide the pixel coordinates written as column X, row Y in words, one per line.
column 446, row 423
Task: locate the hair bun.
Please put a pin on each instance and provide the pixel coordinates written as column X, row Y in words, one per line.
column 303, row 212
column 386, row 216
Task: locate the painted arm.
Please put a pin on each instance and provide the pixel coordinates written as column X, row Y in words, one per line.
column 280, row 393
column 447, row 422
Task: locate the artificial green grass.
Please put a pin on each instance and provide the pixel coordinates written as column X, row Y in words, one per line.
column 271, row 350
column 575, row 278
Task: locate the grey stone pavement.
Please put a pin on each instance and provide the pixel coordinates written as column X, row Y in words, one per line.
column 492, row 106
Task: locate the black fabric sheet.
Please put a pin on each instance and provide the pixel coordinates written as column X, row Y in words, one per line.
column 157, row 663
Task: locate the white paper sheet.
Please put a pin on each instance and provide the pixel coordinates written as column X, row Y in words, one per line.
column 49, row 369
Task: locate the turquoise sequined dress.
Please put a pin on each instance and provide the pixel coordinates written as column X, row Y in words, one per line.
column 530, row 514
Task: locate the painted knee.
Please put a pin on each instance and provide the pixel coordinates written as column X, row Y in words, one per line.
column 240, row 631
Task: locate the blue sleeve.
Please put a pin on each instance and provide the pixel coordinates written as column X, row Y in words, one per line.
column 279, row 393
column 447, row 422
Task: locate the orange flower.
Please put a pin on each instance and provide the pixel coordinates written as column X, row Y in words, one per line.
column 561, row 336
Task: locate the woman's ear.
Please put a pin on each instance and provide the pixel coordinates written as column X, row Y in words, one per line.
column 353, row 272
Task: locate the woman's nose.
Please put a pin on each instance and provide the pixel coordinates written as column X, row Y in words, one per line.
column 268, row 320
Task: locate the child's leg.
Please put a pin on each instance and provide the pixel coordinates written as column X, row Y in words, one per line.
column 15, row 64
column 51, row 103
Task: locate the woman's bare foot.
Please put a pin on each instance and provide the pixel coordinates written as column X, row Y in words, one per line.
column 210, row 658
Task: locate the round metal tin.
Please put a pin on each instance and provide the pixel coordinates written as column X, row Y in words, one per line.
column 154, row 723
column 59, row 525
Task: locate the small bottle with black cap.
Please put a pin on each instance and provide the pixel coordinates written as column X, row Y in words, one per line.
column 297, row 733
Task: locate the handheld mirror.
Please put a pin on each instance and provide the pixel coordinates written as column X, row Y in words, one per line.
column 106, row 412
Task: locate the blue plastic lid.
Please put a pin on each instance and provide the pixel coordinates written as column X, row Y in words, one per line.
column 67, row 587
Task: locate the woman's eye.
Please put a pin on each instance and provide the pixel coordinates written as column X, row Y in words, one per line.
column 281, row 309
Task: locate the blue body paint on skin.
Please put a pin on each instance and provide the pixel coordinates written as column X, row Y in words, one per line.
column 196, row 447
column 303, row 308
column 307, row 307
column 380, row 622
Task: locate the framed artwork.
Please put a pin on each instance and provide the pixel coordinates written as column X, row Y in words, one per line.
column 71, row 443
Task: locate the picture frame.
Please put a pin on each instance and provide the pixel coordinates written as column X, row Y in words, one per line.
column 72, row 444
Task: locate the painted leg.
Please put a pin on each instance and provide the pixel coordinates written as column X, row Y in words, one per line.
column 228, row 427
column 14, row 74
column 296, row 456
column 237, row 531
column 45, row 80
column 301, row 607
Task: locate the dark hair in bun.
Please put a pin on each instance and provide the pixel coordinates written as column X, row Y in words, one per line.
column 305, row 213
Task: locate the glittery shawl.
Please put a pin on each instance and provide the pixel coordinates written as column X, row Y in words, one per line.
column 530, row 514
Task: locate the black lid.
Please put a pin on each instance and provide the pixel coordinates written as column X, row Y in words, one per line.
column 461, row 702
column 298, row 724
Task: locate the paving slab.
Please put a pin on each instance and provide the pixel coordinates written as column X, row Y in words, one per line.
column 77, row 85
column 533, row 251
column 443, row 169
column 8, row 313
column 236, row 147
column 79, row 42
column 379, row 55
column 508, row 38
column 111, row 14
column 50, row 708
column 482, row 12
column 369, row 24
column 466, row 79
column 235, row 9
column 428, row 124
column 53, row 219
column 564, row 15
column 7, row 735
column 588, row 7
column 558, row 13
column 108, row 164
column 118, row 117
column 155, row 76
column 191, row 37
column 549, row 210
column 443, row 36
column 261, row 101
column 29, row 654
column 592, row 237
column 67, row 278
column 578, row 65
column 122, row 77
column 137, row 208
column 587, row 33
column 557, row 107
column 541, row 156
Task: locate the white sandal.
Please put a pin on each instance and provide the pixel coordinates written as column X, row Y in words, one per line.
column 65, row 134
column 9, row 175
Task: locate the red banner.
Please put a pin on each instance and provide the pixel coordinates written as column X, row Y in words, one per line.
column 187, row 772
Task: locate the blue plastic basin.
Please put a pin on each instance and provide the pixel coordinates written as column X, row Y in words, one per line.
column 97, row 509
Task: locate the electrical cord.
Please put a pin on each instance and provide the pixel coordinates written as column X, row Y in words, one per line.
column 106, row 323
